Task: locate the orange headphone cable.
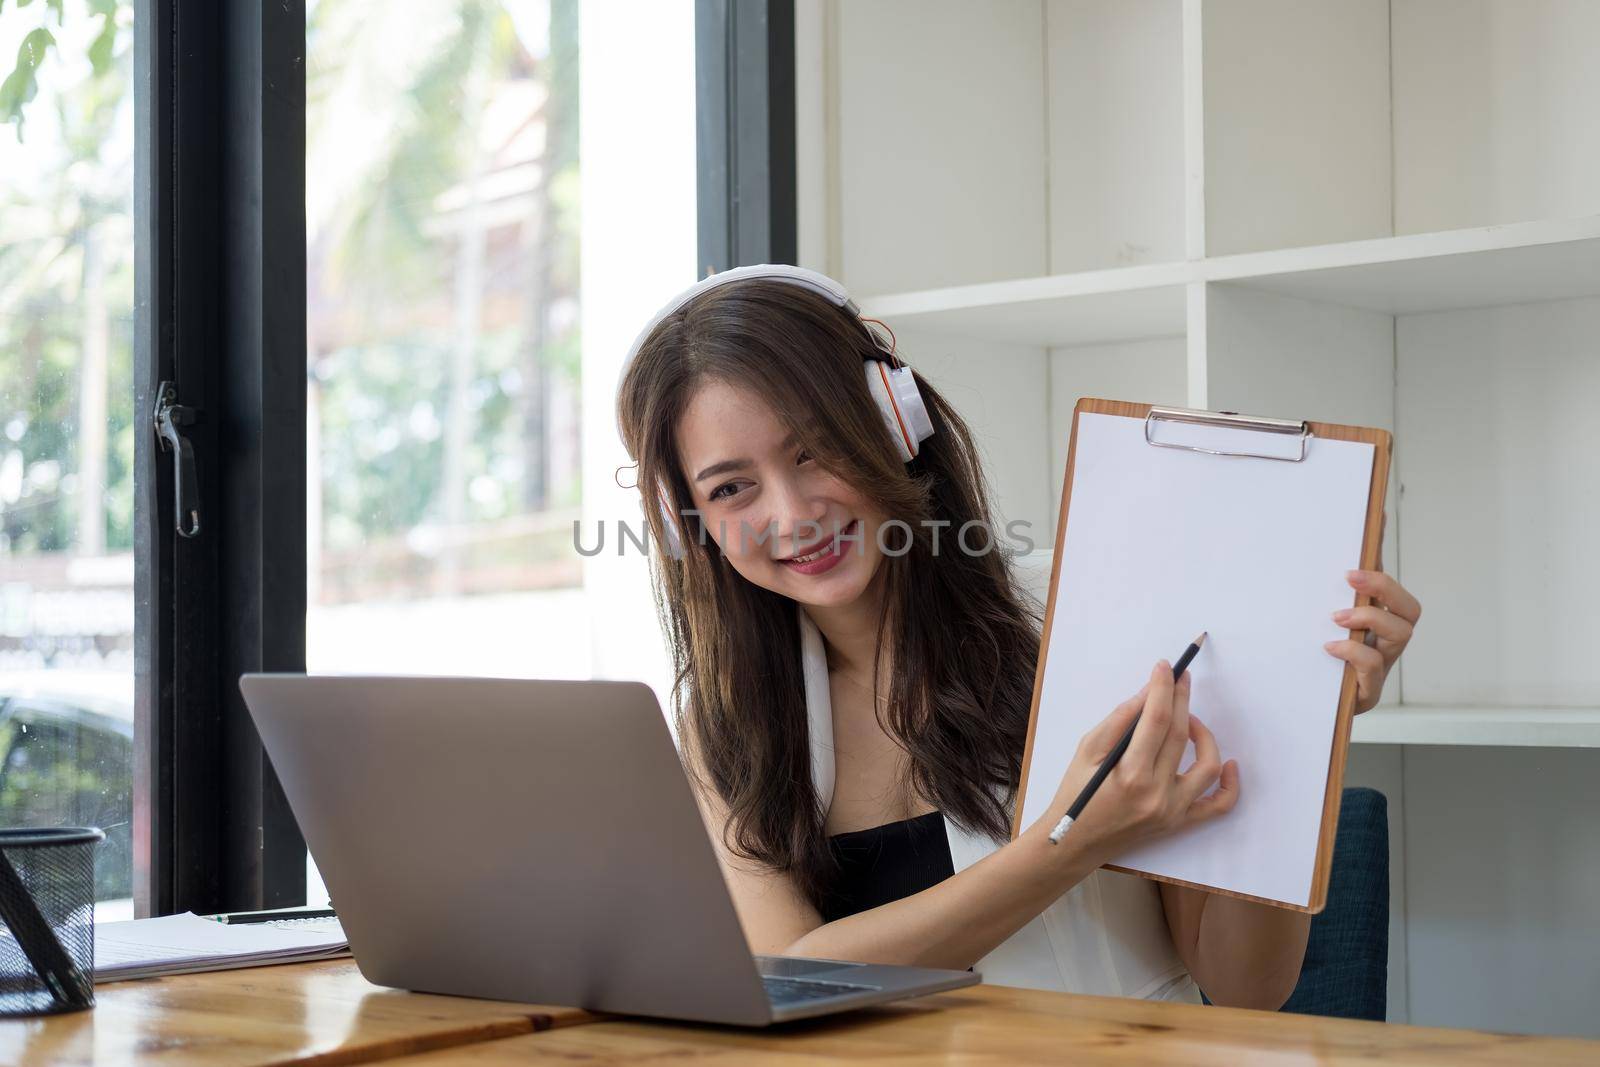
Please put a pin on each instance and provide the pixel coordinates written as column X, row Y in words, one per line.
column 910, row 447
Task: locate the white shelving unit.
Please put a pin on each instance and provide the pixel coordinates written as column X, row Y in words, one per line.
column 1384, row 212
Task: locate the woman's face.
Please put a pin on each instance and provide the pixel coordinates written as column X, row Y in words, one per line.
column 782, row 521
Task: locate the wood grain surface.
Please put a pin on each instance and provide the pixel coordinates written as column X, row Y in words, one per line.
column 996, row 1026
column 326, row 1013
column 305, row 1013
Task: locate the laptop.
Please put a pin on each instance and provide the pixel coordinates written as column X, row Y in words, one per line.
column 533, row 841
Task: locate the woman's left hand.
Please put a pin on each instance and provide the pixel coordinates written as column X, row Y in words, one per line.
column 1389, row 621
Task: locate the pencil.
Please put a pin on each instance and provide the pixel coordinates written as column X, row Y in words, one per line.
column 1115, row 755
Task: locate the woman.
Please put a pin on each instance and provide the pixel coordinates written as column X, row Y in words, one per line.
column 805, row 597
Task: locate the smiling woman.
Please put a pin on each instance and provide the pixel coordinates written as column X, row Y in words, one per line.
column 747, row 407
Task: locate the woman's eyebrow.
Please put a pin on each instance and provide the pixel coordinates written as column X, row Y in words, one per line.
column 723, row 466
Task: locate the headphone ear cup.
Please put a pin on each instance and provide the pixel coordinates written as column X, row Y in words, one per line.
column 878, row 386
column 895, row 392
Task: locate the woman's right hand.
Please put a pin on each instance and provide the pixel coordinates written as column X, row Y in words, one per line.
column 1145, row 796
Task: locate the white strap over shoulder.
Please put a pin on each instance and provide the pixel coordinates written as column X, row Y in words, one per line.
column 819, row 707
column 1106, row 936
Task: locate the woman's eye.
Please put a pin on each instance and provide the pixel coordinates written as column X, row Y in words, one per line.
column 718, row 493
column 803, row 457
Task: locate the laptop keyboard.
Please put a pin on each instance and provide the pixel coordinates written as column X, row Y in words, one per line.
column 782, row 991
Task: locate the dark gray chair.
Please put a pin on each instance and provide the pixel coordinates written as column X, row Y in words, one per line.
column 1346, row 970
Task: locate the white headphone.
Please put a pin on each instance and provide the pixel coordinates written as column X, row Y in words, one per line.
column 889, row 381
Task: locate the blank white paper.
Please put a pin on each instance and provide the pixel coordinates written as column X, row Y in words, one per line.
column 1163, row 543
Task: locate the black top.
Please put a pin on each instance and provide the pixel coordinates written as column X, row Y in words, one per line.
column 884, row 863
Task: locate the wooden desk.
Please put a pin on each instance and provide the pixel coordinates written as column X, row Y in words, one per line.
column 994, row 1026
column 326, row 1013
column 306, row 1013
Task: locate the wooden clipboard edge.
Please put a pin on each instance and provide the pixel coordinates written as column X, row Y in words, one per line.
column 1371, row 546
column 1382, row 443
column 1307, row 909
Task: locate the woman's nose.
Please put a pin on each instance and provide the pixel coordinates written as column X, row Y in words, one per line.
column 797, row 514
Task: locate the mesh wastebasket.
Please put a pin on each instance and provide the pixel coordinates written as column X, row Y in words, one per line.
column 47, row 914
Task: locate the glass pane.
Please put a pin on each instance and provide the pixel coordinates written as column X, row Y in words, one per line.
column 67, row 426
column 443, row 340
column 443, row 337
column 459, row 406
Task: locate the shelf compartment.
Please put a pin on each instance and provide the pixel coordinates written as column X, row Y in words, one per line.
column 1348, row 119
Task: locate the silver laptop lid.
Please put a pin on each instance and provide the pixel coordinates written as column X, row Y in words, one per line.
column 519, row 840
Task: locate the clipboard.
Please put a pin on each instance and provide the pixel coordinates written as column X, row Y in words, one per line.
column 1285, row 495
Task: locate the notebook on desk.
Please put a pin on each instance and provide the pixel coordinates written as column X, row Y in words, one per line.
column 1175, row 522
column 186, row 943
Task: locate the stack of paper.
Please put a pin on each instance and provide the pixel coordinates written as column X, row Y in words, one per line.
column 180, row 944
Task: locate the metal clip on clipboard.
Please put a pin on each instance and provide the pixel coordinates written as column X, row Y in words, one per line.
column 1227, row 420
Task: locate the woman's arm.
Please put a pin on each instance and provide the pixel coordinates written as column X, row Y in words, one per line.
column 1243, row 954
column 963, row 918
column 953, row 924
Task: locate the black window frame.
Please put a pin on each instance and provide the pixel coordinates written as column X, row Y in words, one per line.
column 745, row 133
column 219, row 193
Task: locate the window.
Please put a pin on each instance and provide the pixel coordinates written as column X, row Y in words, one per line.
column 443, row 338
column 473, row 281
column 67, row 425
column 495, row 195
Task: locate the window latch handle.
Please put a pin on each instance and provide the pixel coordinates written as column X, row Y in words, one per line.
column 169, row 416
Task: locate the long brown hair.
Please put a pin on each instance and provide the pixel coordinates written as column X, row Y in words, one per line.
column 962, row 636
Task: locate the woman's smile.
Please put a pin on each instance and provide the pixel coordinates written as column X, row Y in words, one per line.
column 824, row 558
